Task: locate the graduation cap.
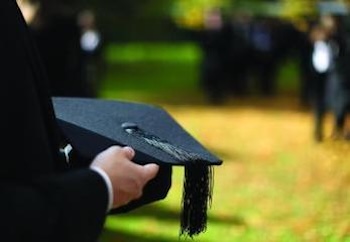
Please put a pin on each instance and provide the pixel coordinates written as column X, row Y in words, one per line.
column 92, row 125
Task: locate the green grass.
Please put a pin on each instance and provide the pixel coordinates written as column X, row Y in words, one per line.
column 275, row 185
column 166, row 72
column 151, row 72
column 151, row 81
column 159, row 52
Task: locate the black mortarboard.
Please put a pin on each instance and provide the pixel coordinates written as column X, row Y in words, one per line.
column 92, row 125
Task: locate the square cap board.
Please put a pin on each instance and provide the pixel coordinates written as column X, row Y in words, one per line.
column 92, row 125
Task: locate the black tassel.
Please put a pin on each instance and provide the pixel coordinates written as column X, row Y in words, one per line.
column 198, row 183
column 197, row 196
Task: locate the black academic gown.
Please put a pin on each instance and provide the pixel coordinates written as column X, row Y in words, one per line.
column 42, row 198
column 39, row 200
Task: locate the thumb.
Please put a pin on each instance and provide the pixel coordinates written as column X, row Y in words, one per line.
column 150, row 171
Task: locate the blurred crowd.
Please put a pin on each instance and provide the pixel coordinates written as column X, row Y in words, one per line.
column 242, row 54
column 240, row 47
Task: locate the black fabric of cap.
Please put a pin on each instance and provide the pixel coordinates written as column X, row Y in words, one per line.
column 93, row 125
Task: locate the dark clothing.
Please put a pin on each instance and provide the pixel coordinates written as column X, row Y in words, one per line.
column 39, row 201
column 340, row 77
column 58, row 41
column 320, row 101
column 263, row 57
column 212, row 66
column 331, row 90
column 44, row 199
column 304, row 48
column 340, row 99
column 238, row 57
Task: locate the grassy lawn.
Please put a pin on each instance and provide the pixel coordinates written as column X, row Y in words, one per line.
column 152, row 73
column 276, row 184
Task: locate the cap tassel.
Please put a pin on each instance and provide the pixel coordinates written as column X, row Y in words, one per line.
column 196, row 198
column 198, row 182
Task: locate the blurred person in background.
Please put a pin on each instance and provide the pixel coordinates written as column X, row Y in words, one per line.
column 331, row 75
column 304, row 48
column 57, row 35
column 213, row 42
column 264, row 61
column 91, row 46
column 238, row 53
column 321, row 58
column 339, row 73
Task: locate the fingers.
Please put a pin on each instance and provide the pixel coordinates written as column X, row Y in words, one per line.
column 128, row 178
column 150, row 171
column 146, row 173
column 128, row 152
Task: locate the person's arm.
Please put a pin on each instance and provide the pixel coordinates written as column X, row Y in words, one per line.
column 68, row 207
column 71, row 206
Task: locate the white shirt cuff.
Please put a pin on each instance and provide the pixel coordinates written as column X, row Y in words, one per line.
column 108, row 185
